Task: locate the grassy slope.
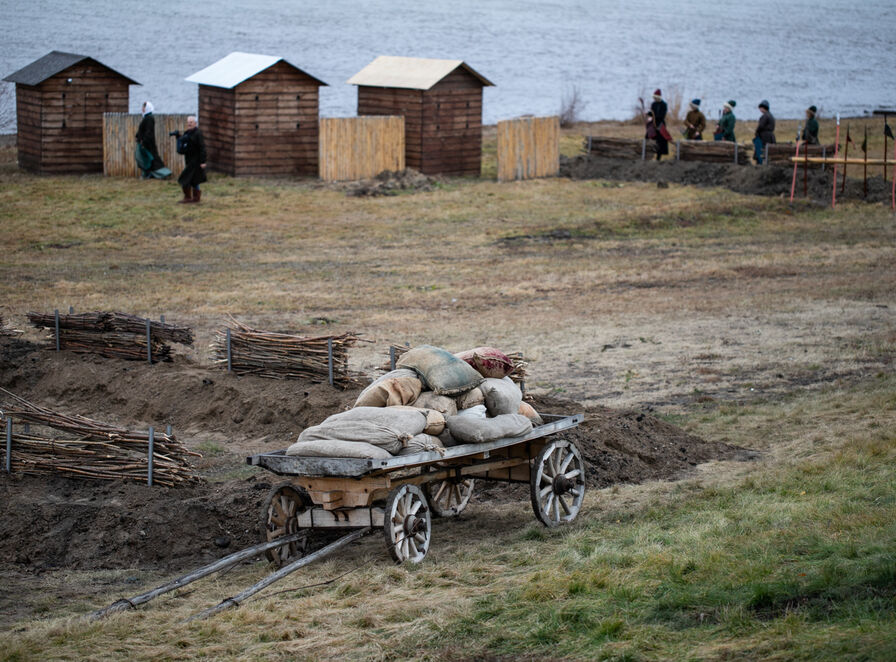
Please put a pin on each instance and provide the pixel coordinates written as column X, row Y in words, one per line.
column 790, row 558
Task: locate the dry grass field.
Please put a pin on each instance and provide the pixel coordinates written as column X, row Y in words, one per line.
column 740, row 318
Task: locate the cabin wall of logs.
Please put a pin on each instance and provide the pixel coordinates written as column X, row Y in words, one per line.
column 60, row 120
column 119, row 146
column 266, row 125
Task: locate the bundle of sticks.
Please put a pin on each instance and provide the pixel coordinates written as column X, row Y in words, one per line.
column 284, row 356
column 80, row 447
column 113, row 334
column 712, row 151
column 614, row 148
column 6, row 330
column 518, row 374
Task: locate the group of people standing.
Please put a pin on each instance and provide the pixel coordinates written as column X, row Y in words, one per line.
column 695, row 125
column 190, row 143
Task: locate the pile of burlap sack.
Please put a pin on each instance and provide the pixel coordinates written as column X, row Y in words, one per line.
column 432, row 400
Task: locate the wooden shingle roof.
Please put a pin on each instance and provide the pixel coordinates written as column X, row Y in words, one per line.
column 51, row 64
column 412, row 73
column 233, row 69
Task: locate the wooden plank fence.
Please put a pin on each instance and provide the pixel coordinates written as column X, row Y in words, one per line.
column 119, row 144
column 528, row 147
column 360, row 147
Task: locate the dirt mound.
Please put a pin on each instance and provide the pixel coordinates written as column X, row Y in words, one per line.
column 390, row 182
column 754, row 180
column 58, row 522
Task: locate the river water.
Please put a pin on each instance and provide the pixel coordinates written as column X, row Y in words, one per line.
column 840, row 56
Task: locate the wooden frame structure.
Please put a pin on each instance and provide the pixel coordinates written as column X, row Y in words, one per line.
column 441, row 102
column 259, row 115
column 60, row 102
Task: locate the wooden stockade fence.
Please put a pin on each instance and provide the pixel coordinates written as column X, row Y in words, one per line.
column 361, row 147
column 712, row 151
column 528, row 147
column 248, row 351
column 112, row 334
column 78, row 447
column 119, row 145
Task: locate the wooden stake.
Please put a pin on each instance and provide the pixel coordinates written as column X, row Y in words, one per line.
column 795, row 166
column 845, row 159
column 836, row 153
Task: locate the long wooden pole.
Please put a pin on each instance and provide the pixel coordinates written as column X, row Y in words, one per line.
column 836, row 152
column 236, row 600
column 865, row 172
column 845, row 159
column 795, row 166
column 893, row 194
column 220, row 564
column 885, row 149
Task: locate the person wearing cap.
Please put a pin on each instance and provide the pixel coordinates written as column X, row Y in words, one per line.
column 765, row 132
column 809, row 134
column 659, row 110
column 694, row 122
column 725, row 129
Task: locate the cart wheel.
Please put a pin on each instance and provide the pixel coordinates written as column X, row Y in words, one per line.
column 407, row 526
column 449, row 497
column 557, row 483
column 278, row 518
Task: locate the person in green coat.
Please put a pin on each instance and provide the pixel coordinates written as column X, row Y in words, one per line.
column 809, row 134
column 725, row 129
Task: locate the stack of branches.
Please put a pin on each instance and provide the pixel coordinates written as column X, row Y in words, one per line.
column 284, row 356
column 6, row 330
column 113, row 334
column 614, row 148
column 712, row 151
column 518, row 374
column 79, row 447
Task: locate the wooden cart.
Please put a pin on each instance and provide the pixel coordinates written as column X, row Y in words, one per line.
column 400, row 494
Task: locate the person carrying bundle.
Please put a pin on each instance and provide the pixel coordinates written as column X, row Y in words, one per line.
column 725, row 128
column 694, row 122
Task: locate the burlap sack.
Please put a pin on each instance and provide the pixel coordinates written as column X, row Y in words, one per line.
column 472, row 430
column 399, row 387
column 502, row 396
column 421, row 443
column 469, row 399
column 337, row 448
column 440, row 370
column 488, row 361
column 387, row 427
column 529, row 412
column 476, row 411
column 440, row 403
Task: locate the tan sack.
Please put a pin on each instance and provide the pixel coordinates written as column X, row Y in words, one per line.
column 387, row 427
column 488, row 361
column 435, row 422
column 502, row 396
column 529, row 412
column 469, row 399
column 471, row 430
column 399, row 387
column 440, row 370
column 421, row 443
column 441, row 403
column 336, row 448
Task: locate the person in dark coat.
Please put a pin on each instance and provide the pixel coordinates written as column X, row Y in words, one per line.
column 192, row 145
column 659, row 110
column 809, row 134
column 146, row 138
column 765, row 132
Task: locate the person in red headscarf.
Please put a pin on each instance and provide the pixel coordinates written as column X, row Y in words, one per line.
column 659, row 110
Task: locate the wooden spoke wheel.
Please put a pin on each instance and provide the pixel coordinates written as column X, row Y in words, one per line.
column 449, row 497
column 557, row 483
column 407, row 524
column 279, row 518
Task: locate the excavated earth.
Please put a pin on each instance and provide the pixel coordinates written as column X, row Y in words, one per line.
column 61, row 523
